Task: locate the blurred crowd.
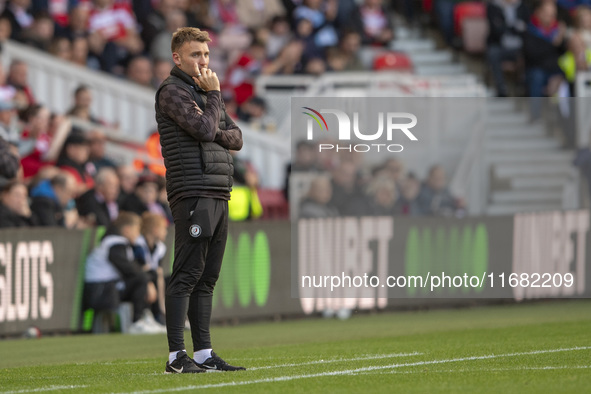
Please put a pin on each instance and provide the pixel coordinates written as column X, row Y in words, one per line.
column 544, row 42
column 131, row 38
column 71, row 182
column 341, row 184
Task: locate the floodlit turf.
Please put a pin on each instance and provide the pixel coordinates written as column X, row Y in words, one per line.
column 531, row 348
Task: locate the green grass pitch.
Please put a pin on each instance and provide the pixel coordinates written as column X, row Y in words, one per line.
column 541, row 347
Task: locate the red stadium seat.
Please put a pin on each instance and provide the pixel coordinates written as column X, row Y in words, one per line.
column 467, row 10
column 274, row 204
column 395, row 61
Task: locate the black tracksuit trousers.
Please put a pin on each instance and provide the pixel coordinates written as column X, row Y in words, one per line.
column 201, row 230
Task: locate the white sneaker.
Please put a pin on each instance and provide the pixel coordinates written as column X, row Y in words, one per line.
column 153, row 323
column 158, row 328
column 143, row 326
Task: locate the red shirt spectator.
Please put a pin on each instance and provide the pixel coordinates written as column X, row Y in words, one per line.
column 34, row 160
column 111, row 20
column 18, row 76
column 241, row 75
column 35, row 141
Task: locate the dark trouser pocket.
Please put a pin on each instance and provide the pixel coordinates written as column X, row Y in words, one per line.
column 201, row 224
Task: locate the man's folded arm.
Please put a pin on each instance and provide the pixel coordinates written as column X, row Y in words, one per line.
column 179, row 105
column 231, row 138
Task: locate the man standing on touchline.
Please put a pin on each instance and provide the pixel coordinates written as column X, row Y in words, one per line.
column 196, row 135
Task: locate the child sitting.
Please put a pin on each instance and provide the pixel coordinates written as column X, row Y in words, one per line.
column 149, row 250
column 112, row 275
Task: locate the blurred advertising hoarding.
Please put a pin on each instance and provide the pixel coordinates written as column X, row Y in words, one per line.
column 42, row 269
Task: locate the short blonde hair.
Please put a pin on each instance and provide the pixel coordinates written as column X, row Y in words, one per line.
column 126, row 219
column 152, row 220
column 187, row 34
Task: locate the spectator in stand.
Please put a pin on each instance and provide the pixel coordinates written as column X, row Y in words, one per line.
column 113, row 33
column 9, row 161
column 74, row 159
column 145, row 198
column 163, row 197
column 8, row 127
column 377, row 28
column 434, row 198
column 345, row 57
column 305, row 161
column 139, row 70
column 241, row 75
column 244, row 203
column 80, row 54
column 77, row 26
column 191, row 10
column 155, row 22
column 17, row 13
column 14, row 206
column 252, row 110
column 53, row 201
column 128, row 177
column 149, row 250
column 223, row 14
column 350, row 45
column 82, row 104
column 407, row 203
column 37, row 147
column 394, row 170
column 112, row 275
column 544, row 42
column 40, row 33
column 98, row 206
column 230, row 104
column 579, row 56
column 567, row 8
column 5, row 29
column 61, row 48
column 57, row 10
column 305, row 34
column 383, row 194
column 444, row 11
column 321, row 14
column 18, row 77
column 288, row 61
column 162, row 69
column 279, row 36
column 582, row 30
column 315, row 66
column 160, row 46
column 7, row 92
column 255, row 14
column 347, row 196
column 97, row 141
column 317, row 203
column 507, row 21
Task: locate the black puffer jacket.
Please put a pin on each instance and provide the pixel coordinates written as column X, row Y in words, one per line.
column 196, row 135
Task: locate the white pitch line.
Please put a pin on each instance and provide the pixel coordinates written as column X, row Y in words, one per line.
column 479, row 370
column 41, row 389
column 357, row 370
column 338, row 360
column 112, row 362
